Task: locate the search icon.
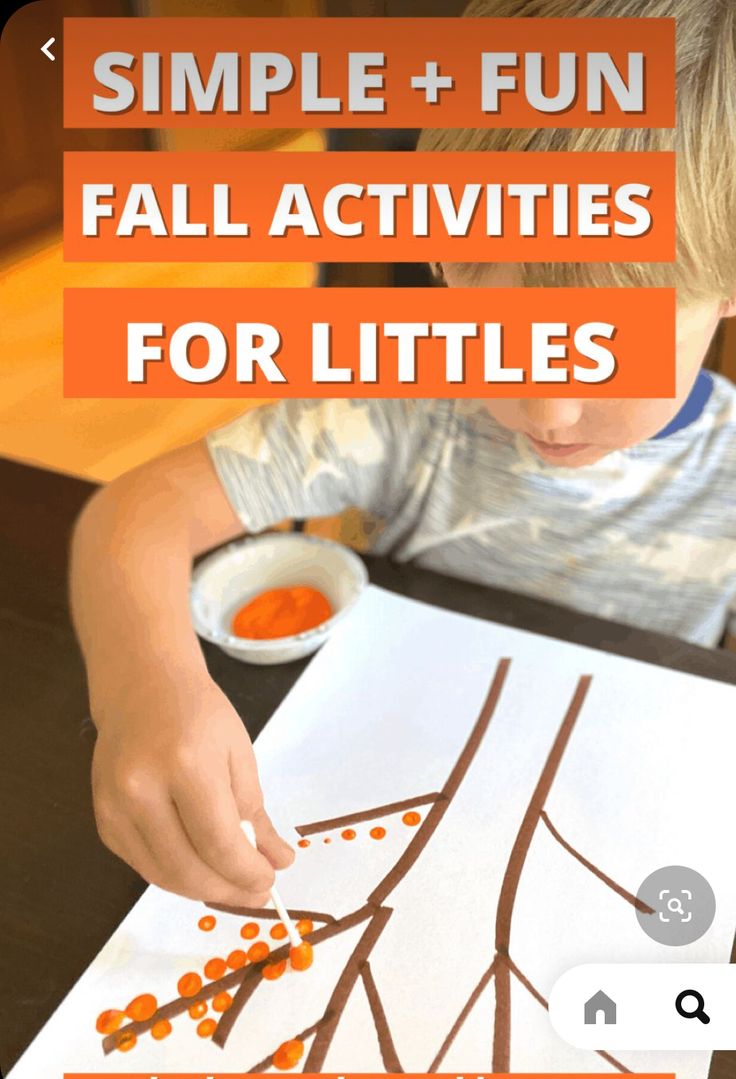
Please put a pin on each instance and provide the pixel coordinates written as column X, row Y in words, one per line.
column 698, row 1012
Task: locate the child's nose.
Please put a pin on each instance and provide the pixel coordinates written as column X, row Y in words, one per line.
column 547, row 416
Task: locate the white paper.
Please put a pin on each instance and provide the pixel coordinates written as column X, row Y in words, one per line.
column 381, row 715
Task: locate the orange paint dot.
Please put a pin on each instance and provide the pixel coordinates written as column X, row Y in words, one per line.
column 301, row 956
column 304, row 926
column 222, row 1002
column 349, row 833
column 215, row 968
column 249, row 931
column 258, row 951
column 110, row 1021
column 207, row 924
column 237, row 959
column 126, row 1041
column 378, row 833
column 189, row 984
column 206, row 1028
column 198, row 1009
column 142, row 1008
column 288, row 1055
column 279, row 932
column 303, row 843
column 411, row 818
column 272, row 971
column 327, row 840
column 161, row 1029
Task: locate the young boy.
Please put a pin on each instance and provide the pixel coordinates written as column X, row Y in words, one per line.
column 622, row 508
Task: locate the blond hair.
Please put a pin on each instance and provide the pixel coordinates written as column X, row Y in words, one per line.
column 704, row 141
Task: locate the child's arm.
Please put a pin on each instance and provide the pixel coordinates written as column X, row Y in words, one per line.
column 173, row 770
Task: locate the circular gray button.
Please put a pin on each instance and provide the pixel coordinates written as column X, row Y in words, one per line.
column 682, row 904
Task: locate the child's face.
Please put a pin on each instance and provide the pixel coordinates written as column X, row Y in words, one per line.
column 573, row 433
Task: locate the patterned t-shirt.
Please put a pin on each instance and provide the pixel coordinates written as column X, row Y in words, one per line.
column 647, row 536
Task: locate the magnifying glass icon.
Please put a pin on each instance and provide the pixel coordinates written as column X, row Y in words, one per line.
column 697, row 1012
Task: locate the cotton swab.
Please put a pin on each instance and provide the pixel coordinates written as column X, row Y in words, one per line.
column 276, row 899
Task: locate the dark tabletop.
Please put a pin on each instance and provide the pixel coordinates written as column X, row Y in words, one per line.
column 63, row 893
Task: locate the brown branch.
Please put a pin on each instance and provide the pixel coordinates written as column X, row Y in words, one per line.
column 366, row 814
column 389, row 1056
column 251, row 980
column 269, row 915
column 612, row 1060
column 234, row 979
column 175, row 1007
column 247, row 979
column 343, row 989
column 430, row 823
column 267, row 1062
column 522, row 978
column 501, row 968
column 514, row 869
column 389, row 882
column 640, row 905
column 502, row 1017
column 465, row 1012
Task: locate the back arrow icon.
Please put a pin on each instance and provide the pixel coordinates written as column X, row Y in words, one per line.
column 46, row 50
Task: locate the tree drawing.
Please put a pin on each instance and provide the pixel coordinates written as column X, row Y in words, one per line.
column 374, row 914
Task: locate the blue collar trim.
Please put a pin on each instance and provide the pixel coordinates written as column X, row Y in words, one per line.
column 693, row 407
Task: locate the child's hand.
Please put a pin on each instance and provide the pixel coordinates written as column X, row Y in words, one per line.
column 173, row 775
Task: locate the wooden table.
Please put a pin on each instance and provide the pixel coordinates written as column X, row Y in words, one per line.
column 63, row 893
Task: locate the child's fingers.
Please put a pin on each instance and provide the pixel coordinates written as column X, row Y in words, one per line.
column 173, row 863
column 136, row 852
column 249, row 800
column 212, row 822
column 270, row 843
column 128, row 844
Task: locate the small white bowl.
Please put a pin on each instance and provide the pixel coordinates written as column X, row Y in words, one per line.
column 227, row 579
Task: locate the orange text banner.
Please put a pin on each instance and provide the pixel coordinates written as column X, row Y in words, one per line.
column 365, row 342
column 369, row 72
column 378, row 206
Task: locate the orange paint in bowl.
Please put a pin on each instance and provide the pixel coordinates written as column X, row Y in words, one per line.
column 281, row 612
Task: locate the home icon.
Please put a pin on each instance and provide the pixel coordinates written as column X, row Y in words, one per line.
column 600, row 1004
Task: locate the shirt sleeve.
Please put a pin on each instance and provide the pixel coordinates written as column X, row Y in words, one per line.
column 305, row 458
